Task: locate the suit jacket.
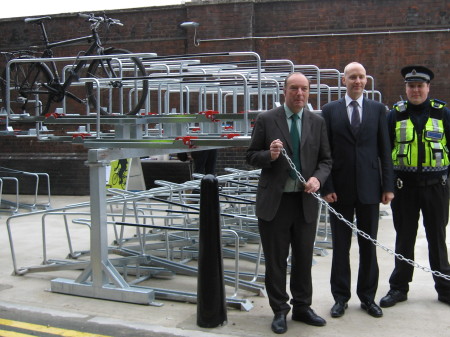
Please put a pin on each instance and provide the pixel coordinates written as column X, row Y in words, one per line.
column 362, row 164
column 315, row 159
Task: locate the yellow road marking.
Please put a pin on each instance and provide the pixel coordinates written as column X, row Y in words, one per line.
column 46, row 329
column 5, row 333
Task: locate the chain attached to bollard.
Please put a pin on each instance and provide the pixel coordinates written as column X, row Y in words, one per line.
column 360, row 232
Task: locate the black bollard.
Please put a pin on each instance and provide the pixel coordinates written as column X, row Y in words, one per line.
column 211, row 299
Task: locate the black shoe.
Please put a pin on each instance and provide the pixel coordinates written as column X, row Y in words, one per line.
column 392, row 298
column 279, row 323
column 309, row 317
column 372, row 309
column 444, row 300
column 338, row 309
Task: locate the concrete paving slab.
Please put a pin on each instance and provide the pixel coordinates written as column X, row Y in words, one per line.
column 421, row 316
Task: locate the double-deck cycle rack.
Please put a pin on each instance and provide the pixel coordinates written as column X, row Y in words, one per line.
column 120, row 60
column 176, row 83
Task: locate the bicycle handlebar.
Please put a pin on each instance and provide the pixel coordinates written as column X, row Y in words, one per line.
column 96, row 20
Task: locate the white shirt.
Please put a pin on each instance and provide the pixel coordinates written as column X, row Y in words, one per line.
column 348, row 100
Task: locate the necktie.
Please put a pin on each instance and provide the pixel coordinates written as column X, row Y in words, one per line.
column 356, row 121
column 295, row 139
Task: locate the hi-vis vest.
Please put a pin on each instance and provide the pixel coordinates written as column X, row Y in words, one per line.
column 430, row 146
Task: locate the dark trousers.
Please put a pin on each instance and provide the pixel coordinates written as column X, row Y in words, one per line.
column 409, row 201
column 367, row 221
column 288, row 230
column 204, row 161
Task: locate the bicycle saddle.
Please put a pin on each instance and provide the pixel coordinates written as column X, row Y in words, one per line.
column 37, row 20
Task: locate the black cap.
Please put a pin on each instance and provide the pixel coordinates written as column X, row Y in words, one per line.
column 417, row 74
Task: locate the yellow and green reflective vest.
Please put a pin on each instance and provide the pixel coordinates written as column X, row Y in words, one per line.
column 405, row 154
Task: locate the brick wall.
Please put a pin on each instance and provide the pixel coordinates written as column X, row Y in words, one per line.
column 384, row 35
column 328, row 33
column 63, row 162
column 233, row 157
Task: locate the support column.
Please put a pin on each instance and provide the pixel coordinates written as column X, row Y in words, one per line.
column 101, row 279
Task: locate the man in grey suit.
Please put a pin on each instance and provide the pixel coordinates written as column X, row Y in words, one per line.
column 286, row 210
column 361, row 178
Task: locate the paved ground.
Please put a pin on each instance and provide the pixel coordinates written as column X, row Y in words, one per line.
column 28, row 295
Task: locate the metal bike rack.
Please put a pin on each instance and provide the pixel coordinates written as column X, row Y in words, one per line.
column 40, row 180
column 174, row 81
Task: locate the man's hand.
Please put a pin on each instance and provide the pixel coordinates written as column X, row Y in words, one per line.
column 387, row 197
column 312, row 185
column 275, row 149
column 331, row 197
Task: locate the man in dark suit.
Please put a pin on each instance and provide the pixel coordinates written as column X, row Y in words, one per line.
column 361, row 178
column 286, row 210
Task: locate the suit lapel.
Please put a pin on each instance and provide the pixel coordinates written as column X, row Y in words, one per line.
column 366, row 114
column 343, row 114
column 306, row 128
column 280, row 121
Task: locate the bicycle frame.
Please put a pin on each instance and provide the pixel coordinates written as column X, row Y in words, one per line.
column 48, row 53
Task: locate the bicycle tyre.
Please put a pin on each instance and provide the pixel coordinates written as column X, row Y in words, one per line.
column 27, row 82
column 114, row 179
column 107, row 68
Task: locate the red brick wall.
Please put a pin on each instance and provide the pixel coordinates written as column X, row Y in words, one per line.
column 63, row 162
column 157, row 30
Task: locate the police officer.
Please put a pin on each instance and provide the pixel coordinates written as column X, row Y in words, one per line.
column 419, row 130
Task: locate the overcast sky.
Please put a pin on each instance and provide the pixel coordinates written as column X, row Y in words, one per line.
column 23, row 8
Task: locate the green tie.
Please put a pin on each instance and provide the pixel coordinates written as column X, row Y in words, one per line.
column 295, row 139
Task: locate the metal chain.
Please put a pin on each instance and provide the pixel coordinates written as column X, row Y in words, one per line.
column 360, row 232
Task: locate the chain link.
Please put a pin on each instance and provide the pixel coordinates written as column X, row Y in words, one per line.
column 360, row 232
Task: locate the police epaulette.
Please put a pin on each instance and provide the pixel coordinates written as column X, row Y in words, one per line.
column 437, row 103
column 400, row 106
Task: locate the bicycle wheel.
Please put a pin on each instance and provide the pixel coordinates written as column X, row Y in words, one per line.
column 117, row 96
column 27, row 88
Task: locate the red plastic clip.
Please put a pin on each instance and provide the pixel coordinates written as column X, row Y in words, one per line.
column 52, row 114
column 187, row 140
column 210, row 114
column 230, row 135
column 81, row 135
column 148, row 113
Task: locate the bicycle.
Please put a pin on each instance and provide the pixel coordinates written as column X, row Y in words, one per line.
column 118, row 177
column 34, row 86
